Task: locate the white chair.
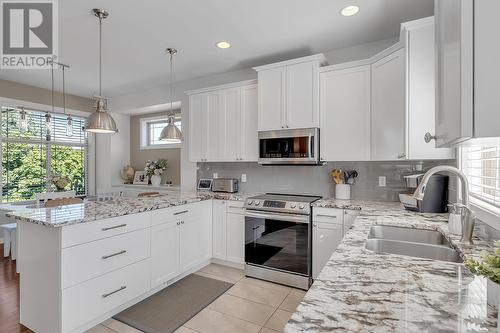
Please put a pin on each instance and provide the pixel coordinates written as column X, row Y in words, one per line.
column 53, row 195
column 9, row 239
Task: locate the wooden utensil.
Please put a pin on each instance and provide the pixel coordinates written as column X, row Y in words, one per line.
column 336, row 175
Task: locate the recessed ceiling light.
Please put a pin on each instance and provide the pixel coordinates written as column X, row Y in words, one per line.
column 349, row 10
column 223, row 45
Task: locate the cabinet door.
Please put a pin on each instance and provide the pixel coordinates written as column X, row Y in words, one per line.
column 235, row 226
column 219, row 229
column 326, row 238
column 388, row 108
column 302, row 96
column 248, row 130
column 421, row 77
column 190, row 247
column 214, row 126
column 164, row 252
column 231, row 117
column 345, row 114
column 271, row 98
column 198, row 128
column 349, row 216
column 454, row 42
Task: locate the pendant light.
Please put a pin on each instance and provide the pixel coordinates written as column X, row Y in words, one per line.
column 100, row 121
column 171, row 132
column 23, row 115
column 48, row 117
column 69, row 119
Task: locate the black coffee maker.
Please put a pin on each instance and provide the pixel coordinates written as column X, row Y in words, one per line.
column 436, row 194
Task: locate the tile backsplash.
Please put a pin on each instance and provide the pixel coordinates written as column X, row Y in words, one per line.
column 316, row 179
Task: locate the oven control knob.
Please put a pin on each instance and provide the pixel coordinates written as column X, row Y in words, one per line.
column 257, row 202
column 302, row 207
column 293, row 206
column 250, row 202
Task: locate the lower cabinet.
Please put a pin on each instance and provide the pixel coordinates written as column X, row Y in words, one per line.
column 228, row 231
column 165, row 261
column 235, row 237
column 219, row 229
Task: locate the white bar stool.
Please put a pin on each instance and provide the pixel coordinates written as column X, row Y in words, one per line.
column 9, row 239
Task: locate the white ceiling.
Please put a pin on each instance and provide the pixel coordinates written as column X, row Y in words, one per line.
column 260, row 31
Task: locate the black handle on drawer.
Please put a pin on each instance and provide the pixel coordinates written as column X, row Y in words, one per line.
column 114, row 254
column 114, row 292
column 114, row 227
column 182, row 212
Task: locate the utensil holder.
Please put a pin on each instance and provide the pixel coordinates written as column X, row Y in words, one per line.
column 343, row 191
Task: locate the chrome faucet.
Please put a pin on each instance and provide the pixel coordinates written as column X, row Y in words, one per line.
column 468, row 219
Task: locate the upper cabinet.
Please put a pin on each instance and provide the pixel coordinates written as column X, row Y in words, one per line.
column 468, row 75
column 288, row 96
column 223, row 123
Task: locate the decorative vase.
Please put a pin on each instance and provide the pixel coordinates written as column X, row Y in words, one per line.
column 493, row 292
column 155, row 180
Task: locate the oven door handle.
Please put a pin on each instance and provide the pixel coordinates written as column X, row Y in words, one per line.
column 277, row 216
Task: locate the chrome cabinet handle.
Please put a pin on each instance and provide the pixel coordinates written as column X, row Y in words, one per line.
column 402, row 155
column 182, row 212
column 114, row 291
column 428, row 137
column 182, row 222
column 330, row 216
column 235, row 207
column 114, row 227
column 178, row 223
column 114, row 254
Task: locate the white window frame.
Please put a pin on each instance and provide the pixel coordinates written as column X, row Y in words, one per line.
column 91, row 160
column 483, row 210
column 144, row 133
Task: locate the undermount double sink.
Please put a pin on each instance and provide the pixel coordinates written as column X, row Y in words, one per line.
column 422, row 243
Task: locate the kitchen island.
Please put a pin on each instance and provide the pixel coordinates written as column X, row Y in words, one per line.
column 362, row 291
column 81, row 264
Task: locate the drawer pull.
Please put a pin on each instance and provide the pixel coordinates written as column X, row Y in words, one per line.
column 114, row 292
column 114, row 254
column 330, row 216
column 114, row 227
column 182, row 212
column 237, row 207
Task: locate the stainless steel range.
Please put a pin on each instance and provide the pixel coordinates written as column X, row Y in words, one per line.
column 278, row 238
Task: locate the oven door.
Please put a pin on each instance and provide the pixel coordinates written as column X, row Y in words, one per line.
column 278, row 241
column 299, row 146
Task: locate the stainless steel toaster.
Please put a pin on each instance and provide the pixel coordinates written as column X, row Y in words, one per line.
column 228, row 185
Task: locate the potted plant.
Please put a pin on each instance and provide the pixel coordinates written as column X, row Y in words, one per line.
column 60, row 182
column 154, row 170
column 489, row 267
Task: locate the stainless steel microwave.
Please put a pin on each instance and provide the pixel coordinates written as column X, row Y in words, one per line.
column 298, row 146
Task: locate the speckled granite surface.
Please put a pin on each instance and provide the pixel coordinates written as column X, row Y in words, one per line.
column 119, row 206
column 361, row 291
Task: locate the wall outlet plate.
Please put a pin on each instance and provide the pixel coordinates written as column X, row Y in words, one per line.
column 215, row 175
column 243, row 177
column 382, row 181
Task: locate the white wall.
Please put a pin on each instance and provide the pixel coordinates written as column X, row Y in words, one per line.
column 159, row 95
column 112, row 153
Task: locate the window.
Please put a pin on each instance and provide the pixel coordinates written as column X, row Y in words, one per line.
column 481, row 164
column 150, row 133
column 29, row 158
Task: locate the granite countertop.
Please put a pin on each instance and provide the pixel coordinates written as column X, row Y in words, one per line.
column 362, row 291
column 118, row 206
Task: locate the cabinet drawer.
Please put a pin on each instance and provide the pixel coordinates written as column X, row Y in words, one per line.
column 92, row 299
column 235, row 207
column 328, row 215
column 91, row 231
column 87, row 261
column 170, row 214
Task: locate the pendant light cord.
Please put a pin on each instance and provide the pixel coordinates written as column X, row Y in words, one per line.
column 64, row 89
column 100, row 55
column 52, row 73
column 171, row 81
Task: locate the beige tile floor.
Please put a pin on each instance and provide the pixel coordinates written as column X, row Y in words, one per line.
column 250, row 306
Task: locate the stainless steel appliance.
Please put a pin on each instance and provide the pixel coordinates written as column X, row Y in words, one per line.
column 298, row 146
column 229, row 185
column 278, row 238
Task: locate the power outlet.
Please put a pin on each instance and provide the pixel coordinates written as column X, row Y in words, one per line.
column 382, row 181
column 215, row 175
column 243, row 177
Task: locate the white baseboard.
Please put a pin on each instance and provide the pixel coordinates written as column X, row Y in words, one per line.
column 228, row 263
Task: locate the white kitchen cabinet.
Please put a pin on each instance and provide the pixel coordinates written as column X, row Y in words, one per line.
column 289, row 94
column 345, row 113
column 164, row 252
column 219, row 229
column 388, row 107
column 468, row 74
column 235, row 248
column 326, row 238
column 224, row 123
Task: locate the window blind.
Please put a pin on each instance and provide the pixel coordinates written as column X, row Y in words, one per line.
column 481, row 164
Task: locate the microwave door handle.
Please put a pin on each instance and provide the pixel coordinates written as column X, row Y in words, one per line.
column 310, row 145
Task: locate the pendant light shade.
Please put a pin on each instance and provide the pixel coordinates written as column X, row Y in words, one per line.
column 171, row 132
column 100, row 121
column 23, row 120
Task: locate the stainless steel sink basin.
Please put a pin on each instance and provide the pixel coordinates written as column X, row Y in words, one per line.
column 408, row 235
column 436, row 252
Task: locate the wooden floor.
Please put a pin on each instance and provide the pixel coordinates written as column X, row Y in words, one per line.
column 9, row 297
